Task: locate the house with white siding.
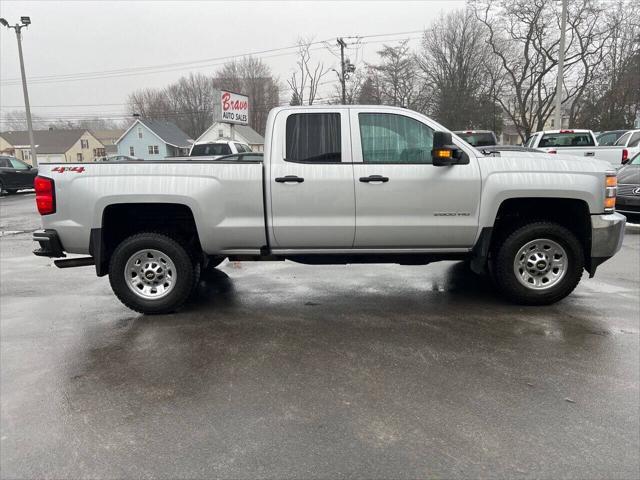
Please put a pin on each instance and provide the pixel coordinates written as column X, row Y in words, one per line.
column 241, row 133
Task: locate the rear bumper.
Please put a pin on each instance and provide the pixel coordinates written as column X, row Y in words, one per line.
column 49, row 242
column 607, row 233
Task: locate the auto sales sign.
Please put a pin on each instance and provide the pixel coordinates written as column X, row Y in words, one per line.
column 234, row 108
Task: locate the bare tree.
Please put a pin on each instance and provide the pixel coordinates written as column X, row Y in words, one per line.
column 524, row 36
column 397, row 78
column 16, row 120
column 305, row 80
column 460, row 68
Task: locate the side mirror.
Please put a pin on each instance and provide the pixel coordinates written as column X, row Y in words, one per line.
column 445, row 153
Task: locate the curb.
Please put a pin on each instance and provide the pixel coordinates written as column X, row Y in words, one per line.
column 632, row 228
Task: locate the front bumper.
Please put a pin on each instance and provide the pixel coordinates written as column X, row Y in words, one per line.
column 50, row 245
column 607, row 233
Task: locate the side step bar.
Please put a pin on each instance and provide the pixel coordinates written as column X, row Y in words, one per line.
column 75, row 262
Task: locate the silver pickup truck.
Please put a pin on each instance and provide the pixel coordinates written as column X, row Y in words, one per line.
column 337, row 185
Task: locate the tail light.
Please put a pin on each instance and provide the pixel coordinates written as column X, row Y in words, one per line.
column 611, row 189
column 625, row 156
column 552, row 151
column 45, row 195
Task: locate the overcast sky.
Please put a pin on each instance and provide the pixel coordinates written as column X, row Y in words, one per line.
column 82, row 37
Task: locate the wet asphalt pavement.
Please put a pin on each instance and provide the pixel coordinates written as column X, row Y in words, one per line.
column 280, row 370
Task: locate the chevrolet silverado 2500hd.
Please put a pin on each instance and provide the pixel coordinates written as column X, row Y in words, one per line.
column 338, row 184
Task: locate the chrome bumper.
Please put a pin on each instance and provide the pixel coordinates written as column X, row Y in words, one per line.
column 607, row 233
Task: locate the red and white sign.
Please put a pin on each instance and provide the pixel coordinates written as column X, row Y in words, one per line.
column 234, row 108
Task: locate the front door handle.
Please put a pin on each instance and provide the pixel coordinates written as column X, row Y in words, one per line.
column 374, row 178
column 290, row 179
column 589, row 154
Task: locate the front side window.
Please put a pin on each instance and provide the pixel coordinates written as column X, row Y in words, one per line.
column 313, row 138
column 391, row 138
column 153, row 150
column 18, row 165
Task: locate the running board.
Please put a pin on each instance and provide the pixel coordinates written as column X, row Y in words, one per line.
column 75, row 262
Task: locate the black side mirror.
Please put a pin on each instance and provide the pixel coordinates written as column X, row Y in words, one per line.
column 445, row 153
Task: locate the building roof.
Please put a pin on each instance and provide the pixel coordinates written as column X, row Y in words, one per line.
column 108, row 136
column 166, row 131
column 47, row 141
column 251, row 136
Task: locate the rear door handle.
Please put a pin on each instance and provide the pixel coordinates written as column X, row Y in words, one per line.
column 290, row 179
column 589, row 154
column 374, row 178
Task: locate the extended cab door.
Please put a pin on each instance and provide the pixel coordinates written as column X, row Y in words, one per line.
column 311, row 180
column 402, row 200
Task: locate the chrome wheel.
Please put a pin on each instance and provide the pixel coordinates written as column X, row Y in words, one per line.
column 540, row 264
column 150, row 274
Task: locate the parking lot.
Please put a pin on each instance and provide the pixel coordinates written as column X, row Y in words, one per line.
column 280, row 370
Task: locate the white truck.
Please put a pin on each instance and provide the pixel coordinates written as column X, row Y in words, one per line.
column 577, row 142
column 337, row 185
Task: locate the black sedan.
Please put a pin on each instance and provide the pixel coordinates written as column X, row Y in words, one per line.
column 628, row 198
column 15, row 174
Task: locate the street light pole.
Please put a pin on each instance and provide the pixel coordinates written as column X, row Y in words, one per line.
column 559, row 80
column 26, row 21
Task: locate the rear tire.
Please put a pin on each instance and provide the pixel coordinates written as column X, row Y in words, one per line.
column 151, row 273
column 538, row 264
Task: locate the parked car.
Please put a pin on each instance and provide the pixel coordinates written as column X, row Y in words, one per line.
column 478, row 138
column 631, row 142
column 338, row 185
column 15, row 174
column 628, row 199
column 610, row 137
column 578, row 142
column 118, row 158
column 218, row 148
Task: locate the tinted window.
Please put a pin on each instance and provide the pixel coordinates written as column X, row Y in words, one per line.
column 4, row 163
column 207, row 149
column 17, row 164
column 390, row 138
column 313, row 137
column 478, row 139
column 622, row 141
column 567, row 140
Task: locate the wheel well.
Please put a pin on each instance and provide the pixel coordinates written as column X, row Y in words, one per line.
column 122, row 220
column 571, row 213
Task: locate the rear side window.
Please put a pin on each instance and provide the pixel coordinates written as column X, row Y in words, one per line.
column 207, row 149
column 313, row 138
column 392, row 138
column 622, row 141
column 567, row 140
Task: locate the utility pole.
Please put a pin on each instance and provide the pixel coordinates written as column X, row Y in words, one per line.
column 342, row 45
column 559, row 80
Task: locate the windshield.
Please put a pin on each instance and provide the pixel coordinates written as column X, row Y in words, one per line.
column 478, row 139
column 583, row 139
column 207, row 149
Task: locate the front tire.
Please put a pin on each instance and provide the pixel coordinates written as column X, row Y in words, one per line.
column 151, row 273
column 538, row 264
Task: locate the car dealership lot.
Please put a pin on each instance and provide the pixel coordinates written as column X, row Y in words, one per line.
column 280, row 370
